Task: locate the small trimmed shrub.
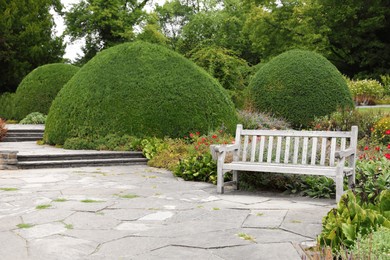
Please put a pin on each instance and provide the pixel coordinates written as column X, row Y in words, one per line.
column 3, row 129
column 258, row 120
column 381, row 131
column 39, row 88
column 142, row 90
column 366, row 91
column 374, row 246
column 343, row 120
column 34, row 118
column 7, row 105
column 298, row 86
column 386, row 83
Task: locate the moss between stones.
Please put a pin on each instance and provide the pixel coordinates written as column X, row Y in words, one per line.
column 138, row 89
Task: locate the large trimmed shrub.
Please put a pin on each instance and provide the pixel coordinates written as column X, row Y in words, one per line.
column 7, row 105
column 299, row 85
column 139, row 89
column 38, row 89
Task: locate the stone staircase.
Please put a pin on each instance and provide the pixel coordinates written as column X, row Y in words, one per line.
column 19, row 150
column 23, row 135
column 80, row 160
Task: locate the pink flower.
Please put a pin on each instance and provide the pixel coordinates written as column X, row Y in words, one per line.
column 191, row 135
column 387, row 132
column 388, row 146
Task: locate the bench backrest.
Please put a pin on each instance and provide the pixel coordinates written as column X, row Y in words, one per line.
column 293, row 147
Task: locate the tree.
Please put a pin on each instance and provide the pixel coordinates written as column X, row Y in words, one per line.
column 27, row 39
column 103, row 23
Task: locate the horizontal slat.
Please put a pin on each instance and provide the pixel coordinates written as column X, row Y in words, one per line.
column 297, row 133
column 281, row 168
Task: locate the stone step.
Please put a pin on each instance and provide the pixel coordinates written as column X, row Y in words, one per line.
column 80, row 163
column 25, row 131
column 26, row 134
column 21, row 139
column 79, row 156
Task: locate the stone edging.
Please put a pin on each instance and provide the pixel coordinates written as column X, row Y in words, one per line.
column 8, row 160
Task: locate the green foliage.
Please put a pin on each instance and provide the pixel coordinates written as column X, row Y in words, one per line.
column 374, row 246
column 3, row 129
column 103, row 23
column 381, row 131
column 351, row 218
column 258, row 120
column 39, row 88
column 34, row 118
column 319, row 187
column 198, row 168
column 27, row 40
column 299, row 85
column 168, row 157
column 111, row 142
column 7, row 105
column 222, row 64
column 365, row 91
column 139, row 89
column 386, row 83
column 343, row 120
column 152, row 146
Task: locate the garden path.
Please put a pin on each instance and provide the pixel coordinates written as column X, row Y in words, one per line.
column 139, row 212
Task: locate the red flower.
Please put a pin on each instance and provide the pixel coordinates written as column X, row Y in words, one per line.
column 372, row 129
column 366, row 148
column 377, row 148
column 387, row 132
column 191, row 135
column 214, row 136
column 387, row 156
column 388, row 146
column 198, row 133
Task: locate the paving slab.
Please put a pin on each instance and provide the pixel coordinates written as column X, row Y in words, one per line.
column 139, row 212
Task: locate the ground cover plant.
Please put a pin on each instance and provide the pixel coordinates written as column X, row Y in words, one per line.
column 34, row 118
column 139, row 89
column 299, row 85
column 39, row 88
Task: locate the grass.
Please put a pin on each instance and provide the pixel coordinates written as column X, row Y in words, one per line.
column 60, row 200
column 260, row 214
column 374, row 109
column 127, row 196
column 24, row 225
column 43, row 206
column 92, row 201
column 68, row 226
column 216, row 208
column 8, row 189
column 246, row 237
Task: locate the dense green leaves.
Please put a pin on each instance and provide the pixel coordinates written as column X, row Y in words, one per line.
column 39, row 88
column 299, row 85
column 26, row 39
column 138, row 89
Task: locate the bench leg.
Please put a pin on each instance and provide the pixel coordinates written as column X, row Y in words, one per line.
column 220, row 180
column 235, row 179
column 339, row 184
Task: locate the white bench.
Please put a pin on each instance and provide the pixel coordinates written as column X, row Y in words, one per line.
column 326, row 153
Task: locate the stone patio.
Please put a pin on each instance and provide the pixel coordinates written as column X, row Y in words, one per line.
column 138, row 212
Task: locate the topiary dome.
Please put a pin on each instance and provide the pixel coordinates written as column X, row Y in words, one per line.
column 299, row 85
column 39, row 88
column 140, row 89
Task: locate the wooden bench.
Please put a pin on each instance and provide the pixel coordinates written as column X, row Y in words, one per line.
column 326, row 153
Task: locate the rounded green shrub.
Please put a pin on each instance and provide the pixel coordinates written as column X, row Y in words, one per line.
column 139, row 89
column 299, row 85
column 38, row 89
column 7, row 105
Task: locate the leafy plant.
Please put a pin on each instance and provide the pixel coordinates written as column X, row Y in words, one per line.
column 319, row 187
column 342, row 225
column 197, row 168
column 34, row 118
column 3, row 129
column 386, row 84
column 374, row 246
column 366, row 91
column 7, row 105
column 381, row 131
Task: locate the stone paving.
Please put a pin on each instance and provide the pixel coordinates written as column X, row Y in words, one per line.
column 138, row 212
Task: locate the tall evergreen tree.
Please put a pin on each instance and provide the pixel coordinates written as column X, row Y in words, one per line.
column 27, row 39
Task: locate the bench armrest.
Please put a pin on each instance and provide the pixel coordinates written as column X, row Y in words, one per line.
column 344, row 153
column 226, row 148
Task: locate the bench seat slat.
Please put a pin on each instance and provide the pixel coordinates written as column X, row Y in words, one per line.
column 292, row 133
column 283, row 168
